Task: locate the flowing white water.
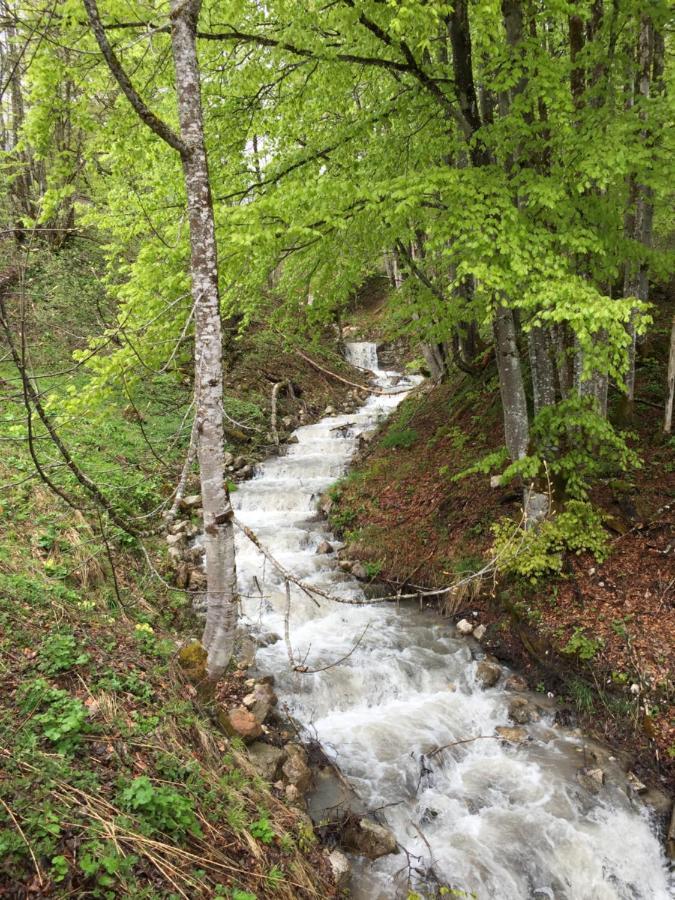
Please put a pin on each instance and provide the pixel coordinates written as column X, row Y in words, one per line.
column 495, row 821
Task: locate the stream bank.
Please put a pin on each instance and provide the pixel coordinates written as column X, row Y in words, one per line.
column 382, row 688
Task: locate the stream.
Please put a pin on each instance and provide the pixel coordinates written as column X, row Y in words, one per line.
column 491, row 820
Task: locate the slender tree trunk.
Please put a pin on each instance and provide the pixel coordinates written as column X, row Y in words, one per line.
column 636, row 283
column 221, row 578
column 668, row 419
column 514, row 403
column 541, row 364
column 221, row 614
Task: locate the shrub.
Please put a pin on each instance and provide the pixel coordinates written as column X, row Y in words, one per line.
column 533, row 554
column 159, row 809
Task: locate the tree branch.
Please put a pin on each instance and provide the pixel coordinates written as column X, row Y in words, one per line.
column 146, row 115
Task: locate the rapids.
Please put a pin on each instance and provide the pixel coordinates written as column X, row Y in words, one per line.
column 490, row 820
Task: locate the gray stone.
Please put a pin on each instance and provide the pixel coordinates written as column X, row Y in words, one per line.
column 522, row 711
column 267, row 759
column 635, row 784
column 479, row 632
column 192, row 501
column 295, row 769
column 367, row 838
column 512, row 735
column 359, row 571
column 488, row 673
column 197, row 580
column 591, row 779
column 515, row 683
column 239, row 462
column 324, row 547
column 341, row 869
column 176, row 540
column 260, row 701
column 228, row 459
column 464, row 627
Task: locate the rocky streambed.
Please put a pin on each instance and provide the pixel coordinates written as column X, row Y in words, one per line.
column 470, row 780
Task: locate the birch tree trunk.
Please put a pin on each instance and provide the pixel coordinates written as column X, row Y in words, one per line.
column 221, row 614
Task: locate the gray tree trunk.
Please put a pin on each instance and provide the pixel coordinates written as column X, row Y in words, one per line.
column 641, row 212
column 541, row 364
column 668, row 420
column 221, row 578
column 221, row 610
column 514, row 404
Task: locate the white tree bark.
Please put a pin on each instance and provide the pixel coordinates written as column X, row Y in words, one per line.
column 222, row 611
column 668, row 420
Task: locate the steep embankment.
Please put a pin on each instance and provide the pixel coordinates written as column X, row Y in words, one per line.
column 117, row 780
column 599, row 634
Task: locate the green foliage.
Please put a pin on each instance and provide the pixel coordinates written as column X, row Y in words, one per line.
column 59, row 653
column 263, row 830
column 55, row 715
column 582, row 646
column 373, row 569
column 159, row 809
column 537, row 552
column 575, row 445
column 399, row 437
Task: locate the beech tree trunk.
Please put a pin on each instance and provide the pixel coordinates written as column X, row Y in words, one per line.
column 670, row 395
column 541, row 364
column 514, row 403
column 222, row 612
column 640, row 214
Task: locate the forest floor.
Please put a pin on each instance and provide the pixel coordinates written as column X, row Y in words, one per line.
column 115, row 779
column 599, row 635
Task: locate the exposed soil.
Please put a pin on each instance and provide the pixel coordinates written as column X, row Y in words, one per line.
column 401, row 511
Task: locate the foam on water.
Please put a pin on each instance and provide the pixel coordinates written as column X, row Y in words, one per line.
column 495, row 821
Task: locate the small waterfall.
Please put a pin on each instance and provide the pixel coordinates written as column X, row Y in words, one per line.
column 491, row 820
column 362, row 355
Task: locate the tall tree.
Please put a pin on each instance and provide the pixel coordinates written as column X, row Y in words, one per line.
column 221, row 615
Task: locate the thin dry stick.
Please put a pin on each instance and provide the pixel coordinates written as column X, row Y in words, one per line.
column 479, row 737
column 25, row 840
column 362, row 387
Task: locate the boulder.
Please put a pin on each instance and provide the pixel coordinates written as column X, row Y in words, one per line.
column 346, row 565
column 197, row 581
column 260, row 701
column 295, row 769
column 340, row 868
column 192, row 501
column 512, row 735
column 176, row 540
column 515, row 683
column 324, row 547
column 464, row 627
column 366, row 838
column 591, row 779
column 522, row 711
column 479, row 632
column 488, row 673
column 239, row 462
column 242, row 723
column 359, row 571
column 267, row 759
column 635, row 784
column 267, row 639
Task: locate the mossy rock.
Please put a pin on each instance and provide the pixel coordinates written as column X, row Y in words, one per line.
column 192, row 660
